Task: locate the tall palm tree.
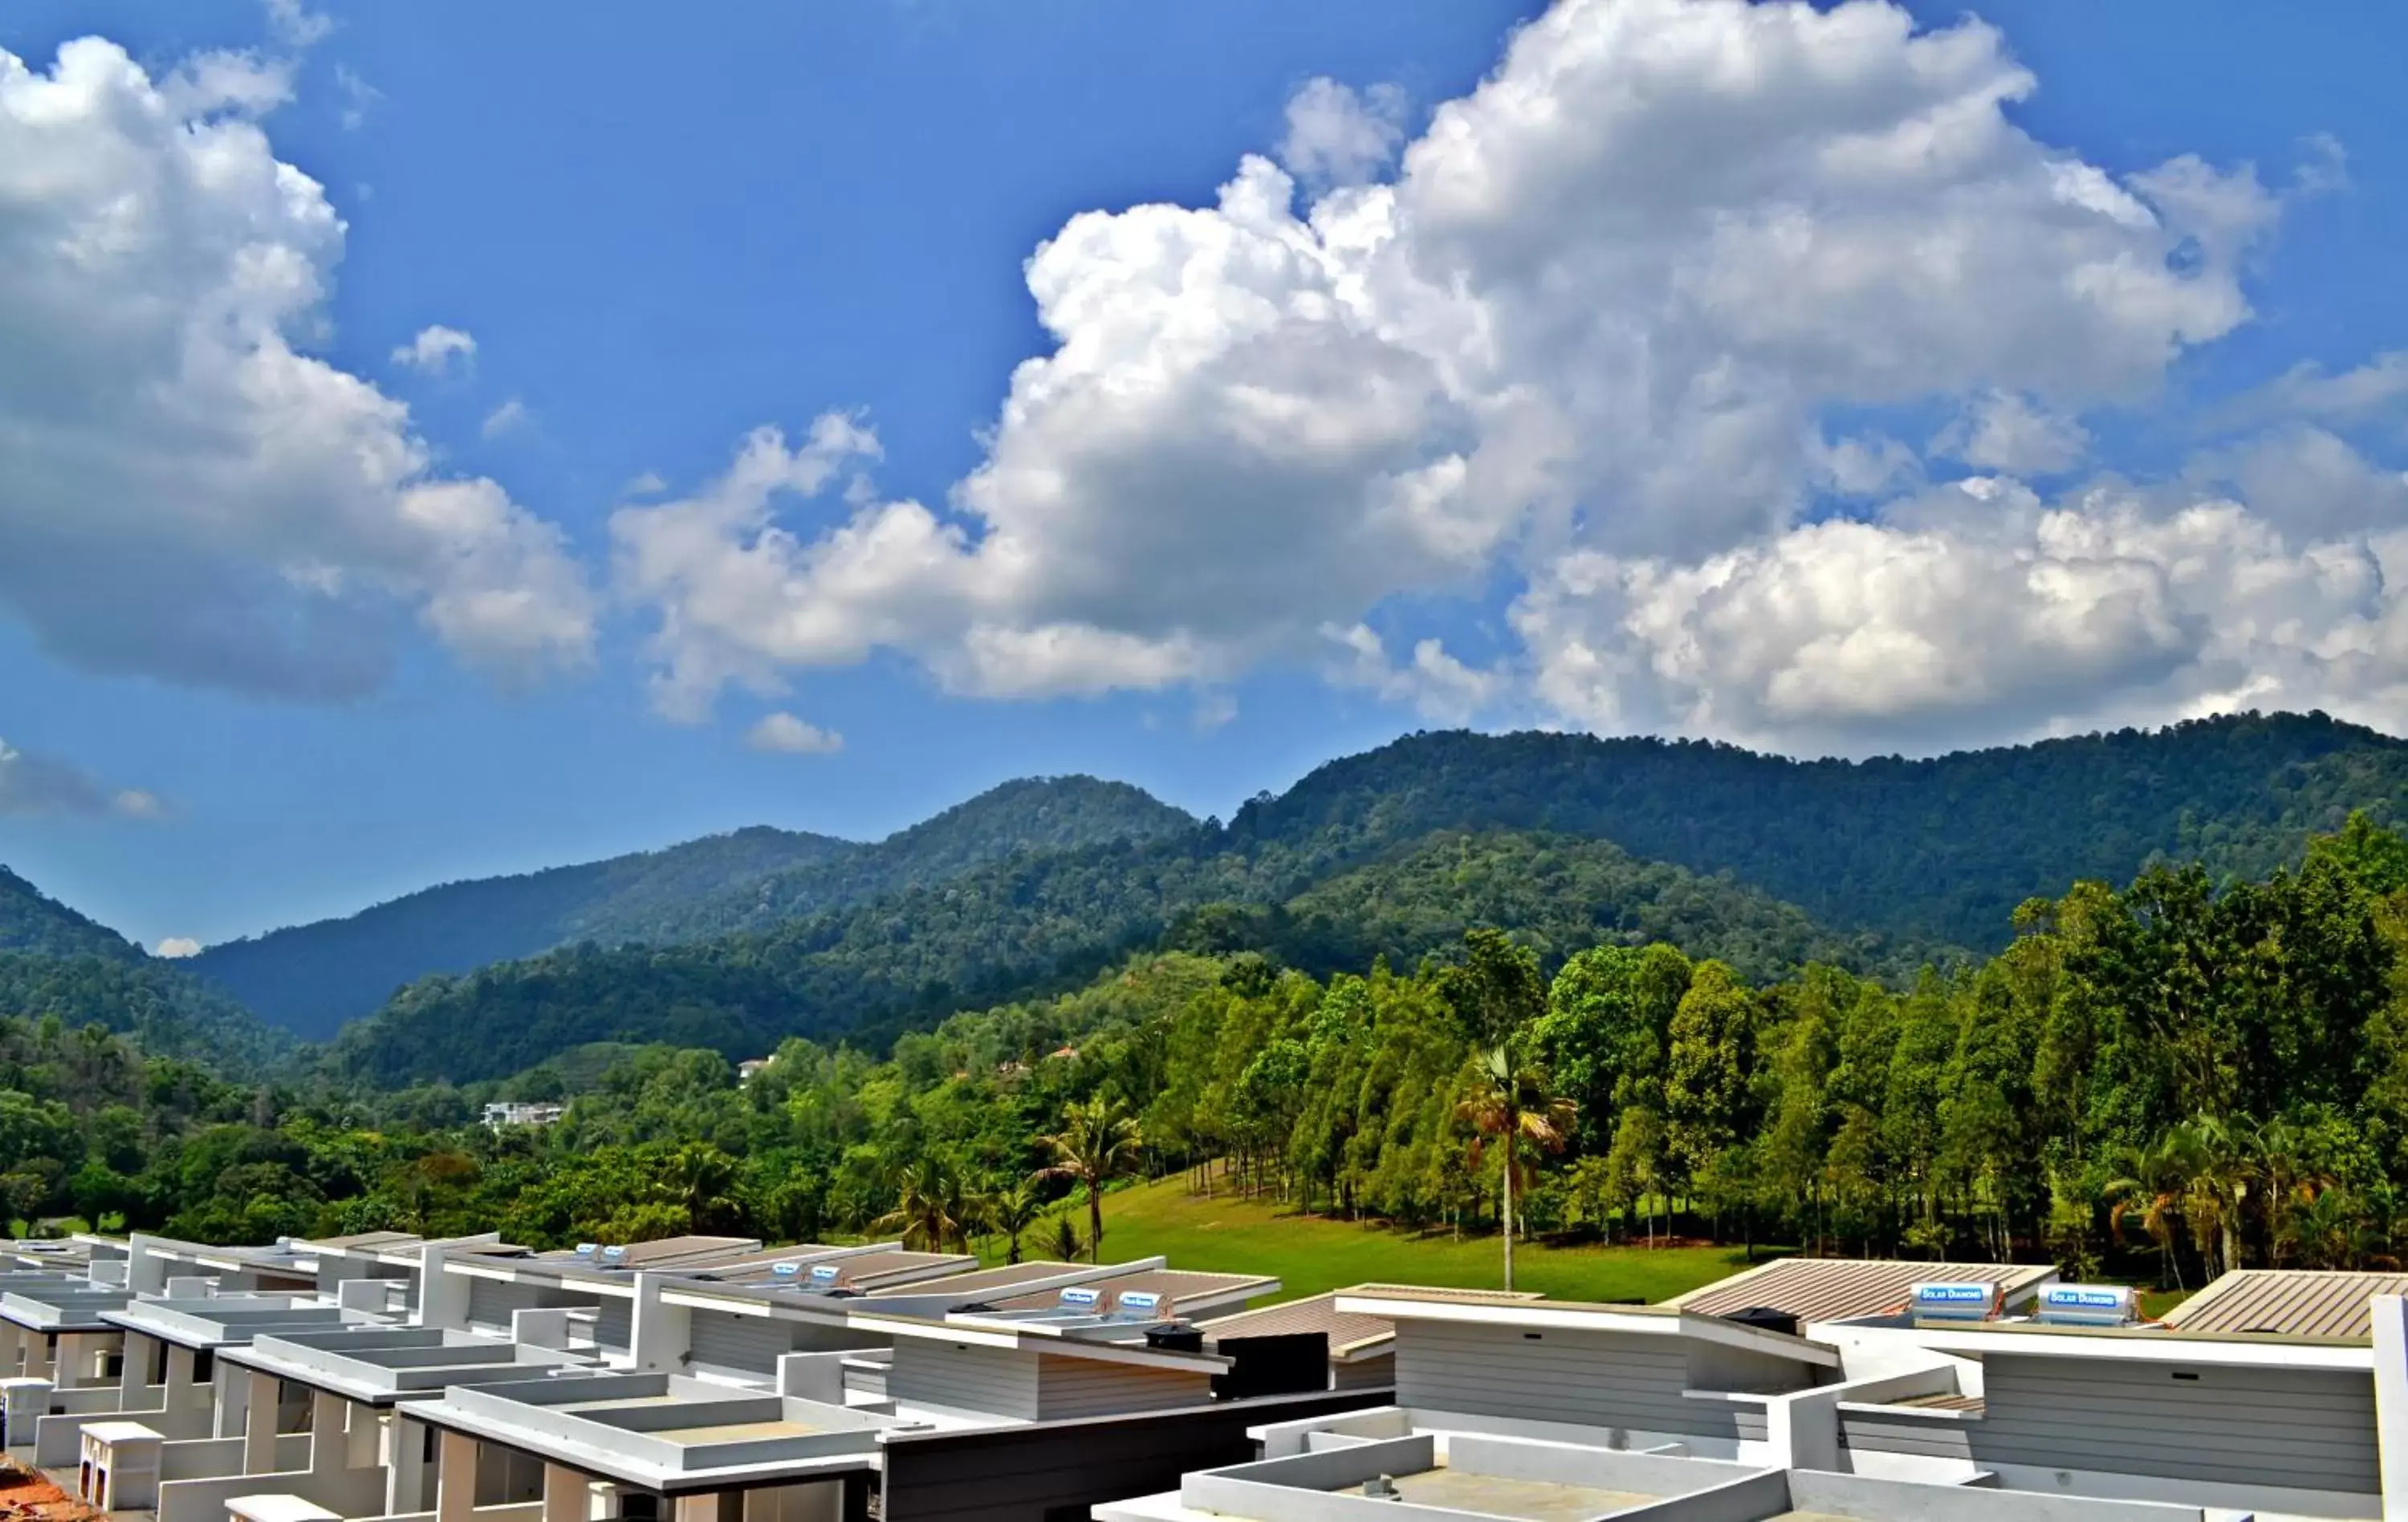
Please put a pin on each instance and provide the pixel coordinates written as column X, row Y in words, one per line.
column 2153, row 1182
column 701, row 1174
column 1098, row 1141
column 1516, row 1105
column 2223, row 1164
column 1011, row 1209
column 925, row 1214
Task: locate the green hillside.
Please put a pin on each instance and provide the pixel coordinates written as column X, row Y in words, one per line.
column 1765, row 863
column 31, row 921
column 57, row 963
column 312, row 978
column 1940, row 849
column 1044, row 922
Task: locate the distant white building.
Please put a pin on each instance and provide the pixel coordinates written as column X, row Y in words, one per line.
column 503, row 1113
column 750, row 1066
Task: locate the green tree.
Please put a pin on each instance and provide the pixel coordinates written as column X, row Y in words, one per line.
column 1513, row 1105
column 1099, row 1141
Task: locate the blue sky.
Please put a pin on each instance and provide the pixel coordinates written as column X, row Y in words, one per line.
column 664, row 232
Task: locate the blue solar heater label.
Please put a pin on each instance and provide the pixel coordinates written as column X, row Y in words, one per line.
column 824, row 1271
column 1079, row 1295
column 1139, row 1300
column 785, row 1270
column 2105, row 1300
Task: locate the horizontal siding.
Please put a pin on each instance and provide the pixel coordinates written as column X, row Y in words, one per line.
column 1069, row 1387
column 995, row 1381
column 492, row 1301
column 1039, row 1475
column 614, row 1323
column 747, row 1345
column 2308, row 1429
column 1928, row 1437
column 1585, row 1379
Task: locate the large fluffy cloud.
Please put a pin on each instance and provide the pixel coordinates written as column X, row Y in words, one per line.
column 186, row 492
column 1592, row 334
column 1977, row 613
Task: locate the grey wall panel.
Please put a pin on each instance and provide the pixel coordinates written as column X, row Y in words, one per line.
column 1585, row 1379
column 2310, row 1428
column 1068, row 1387
column 614, row 1323
column 998, row 1381
column 745, row 1344
column 1055, row 1472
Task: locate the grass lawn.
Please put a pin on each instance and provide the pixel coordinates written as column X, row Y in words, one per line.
column 1308, row 1254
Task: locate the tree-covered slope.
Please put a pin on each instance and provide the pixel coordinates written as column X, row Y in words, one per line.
column 55, row 962
column 1031, row 814
column 168, row 1012
column 1940, row 849
column 1044, row 922
column 1559, row 893
column 1760, row 860
column 31, row 921
column 312, row 978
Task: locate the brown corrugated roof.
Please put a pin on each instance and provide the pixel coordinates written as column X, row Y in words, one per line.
column 1178, row 1288
column 1839, row 1288
column 1347, row 1331
column 1426, row 1292
column 2288, row 1302
column 370, row 1241
column 1002, row 1276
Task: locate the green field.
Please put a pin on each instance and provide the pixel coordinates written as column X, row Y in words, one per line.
column 1308, row 1254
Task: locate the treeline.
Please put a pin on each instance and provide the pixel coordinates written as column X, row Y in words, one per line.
column 1877, row 866
column 1047, row 923
column 2207, row 1075
column 312, row 978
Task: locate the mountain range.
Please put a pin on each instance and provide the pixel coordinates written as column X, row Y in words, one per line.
column 734, row 941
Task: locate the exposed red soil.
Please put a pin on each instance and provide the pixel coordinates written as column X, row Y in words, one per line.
column 26, row 1496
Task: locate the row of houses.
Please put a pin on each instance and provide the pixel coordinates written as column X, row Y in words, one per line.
column 466, row 1380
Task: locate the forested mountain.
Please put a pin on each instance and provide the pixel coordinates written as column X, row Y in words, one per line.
column 1561, row 894
column 311, row 978
column 169, row 1011
column 1874, row 867
column 31, row 921
column 1941, row 849
column 2177, row 1077
column 55, row 962
column 1042, row 921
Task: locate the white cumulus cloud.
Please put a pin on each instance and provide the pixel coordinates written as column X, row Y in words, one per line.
column 186, row 492
column 509, row 417
column 175, row 948
column 1594, row 324
column 1338, row 135
column 295, row 25
column 1977, row 613
column 790, row 736
column 436, row 348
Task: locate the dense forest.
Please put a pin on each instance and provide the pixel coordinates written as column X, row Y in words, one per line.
column 1902, row 859
column 55, row 961
column 311, row 978
column 1877, row 867
column 2183, row 1074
